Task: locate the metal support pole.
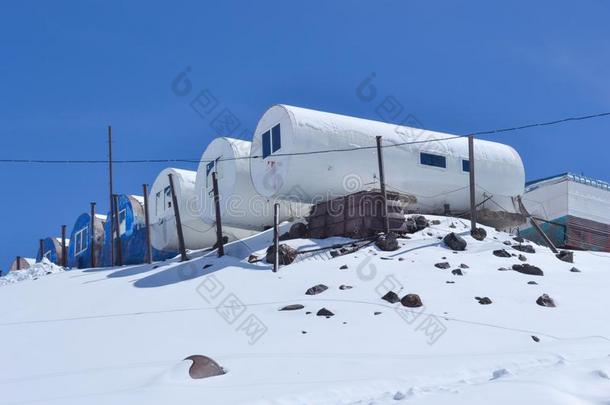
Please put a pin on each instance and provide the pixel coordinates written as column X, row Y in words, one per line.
column 181, row 245
column 384, row 196
column 111, row 192
column 149, row 253
column 276, row 236
column 219, row 241
column 117, row 231
column 473, row 208
column 92, row 233
column 18, row 262
column 64, row 254
column 41, row 248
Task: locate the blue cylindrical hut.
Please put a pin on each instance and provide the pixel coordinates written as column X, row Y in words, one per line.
column 52, row 250
column 132, row 234
column 79, row 250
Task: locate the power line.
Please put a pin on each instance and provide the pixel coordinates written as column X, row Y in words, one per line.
column 136, row 161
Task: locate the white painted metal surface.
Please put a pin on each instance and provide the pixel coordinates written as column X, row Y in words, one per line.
column 321, row 176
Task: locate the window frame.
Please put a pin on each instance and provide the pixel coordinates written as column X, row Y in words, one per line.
column 432, row 166
column 81, row 241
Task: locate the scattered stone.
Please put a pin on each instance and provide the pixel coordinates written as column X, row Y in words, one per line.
column 344, row 267
column 325, row 312
column 345, row 287
column 400, row 259
column 483, row 300
column 518, row 239
column 386, row 258
column 387, row 243
column 303, row 332
column 450, row 282
column 525, row 248
column 316, row 289
column 308, row 313
column 442, row 265
column 532, row 283
column 429, row 234
column 545, row 301
column 457, row 272
column 464, row 266
column 565, row 256
column 376, row 313
column 203, row 367
column 452, row 225
column 421, row 222
column 334, row 253
column 503, row 269
column 207, row 266
column 507, row 243
column 435, row 222
column 298, row 231
column 522, row 258
column 479, row 234
column 253, row 259
column 574, row 270
column 528, row 269
column 535, row 338
column 292, row 307
column 455, row 242
column 286, row 254
column 501, row 253
column 391, row 297
column 399, row 396
column 411, row 301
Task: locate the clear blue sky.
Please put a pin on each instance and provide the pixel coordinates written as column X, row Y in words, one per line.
column 68, row 69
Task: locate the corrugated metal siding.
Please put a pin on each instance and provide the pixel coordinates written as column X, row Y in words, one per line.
column 588, row 235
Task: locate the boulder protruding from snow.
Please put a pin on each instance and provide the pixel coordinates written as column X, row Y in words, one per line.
column 292, row 307
column 298, row 230
column 528, row 269
column 411, row 301
column 525, row 248
column 455, row 242
column 203, row 367
column 574, row 270
column 483, row 300
column 565, row 256
column 442, row 265
column 457, row 272
column 286, row 254
column 316, row 289
column 391, row 297
column 545, row 301
column 501, row 253
column 479, row 234
column 325, row 312
column 387, row 243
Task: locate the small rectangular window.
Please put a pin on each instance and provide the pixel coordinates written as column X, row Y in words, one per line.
column 168, row 197
column 465, row 165
column 158, row 204
column 430, row 159
column 81, row 239
column 266, row 144
column 276, row 139
column 122, row 222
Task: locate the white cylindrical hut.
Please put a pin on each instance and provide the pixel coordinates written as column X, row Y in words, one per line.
column 197, row 234
column 434, row 173
column 240, row 205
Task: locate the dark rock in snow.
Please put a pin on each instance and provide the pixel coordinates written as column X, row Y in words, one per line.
column 387, row 243
column 501, row 253
column 345, row 287
column 253, row 259
column 391, row 297
column 535, row 338
column 411, row 301
column 522, row 258
column 528, row 269
column 545, row 301
column 207, row 266
column 400, row 259
column 507, row 243
column 518, row 239
column 503, row 269
column 344, row 267
column 421, row 222
column 286, row 254
column 457, row 272
column 292, row 307
column 479, row 234
column 464, row 266
column 316, row 289
column 298, row 231
column 442, row 265
column 325, row 312
column 452, row 225
column 376, row 313
column 484, row 300
column 574, row 270
column 203, row 367
column 565, row 256
column 450, row 282
column 435, row 222
column 455, row 242
column 532, row 283
column 525, row 248
column 334, row 253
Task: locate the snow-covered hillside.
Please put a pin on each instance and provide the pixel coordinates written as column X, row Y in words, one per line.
column 118, row 336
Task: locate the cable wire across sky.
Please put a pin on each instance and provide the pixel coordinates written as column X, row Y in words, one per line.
column 136, row 161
